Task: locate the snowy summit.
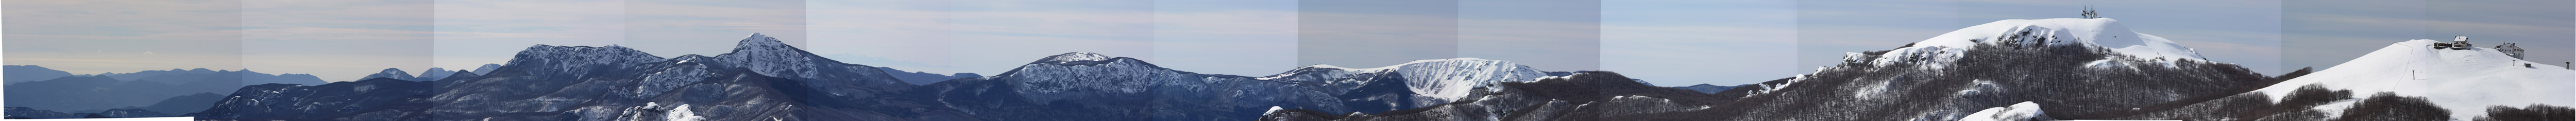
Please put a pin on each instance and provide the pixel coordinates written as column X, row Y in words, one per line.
column 2094, row 32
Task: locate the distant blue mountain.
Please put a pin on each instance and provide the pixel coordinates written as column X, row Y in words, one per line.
column 81, row 94
column 245, row 77
column 138, row 89
column 29, row 73
column 921, row 78
column 1706, row 88
column 486, row 69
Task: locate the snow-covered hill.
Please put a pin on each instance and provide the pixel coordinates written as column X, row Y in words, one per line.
column 2078, row 68
column 2466, row 82
column 2098, row 32
column 2105, row 33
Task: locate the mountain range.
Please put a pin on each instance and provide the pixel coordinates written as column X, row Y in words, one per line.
column 100, row 92
column 2051, row 69
column 2044, row 69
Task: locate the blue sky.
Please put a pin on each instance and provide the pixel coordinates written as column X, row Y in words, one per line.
column 1668, row 42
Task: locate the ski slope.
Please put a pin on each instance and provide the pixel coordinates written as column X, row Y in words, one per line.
column 2465, row 82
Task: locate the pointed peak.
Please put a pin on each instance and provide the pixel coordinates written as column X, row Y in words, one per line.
column 759, row 40
column 1074, row 57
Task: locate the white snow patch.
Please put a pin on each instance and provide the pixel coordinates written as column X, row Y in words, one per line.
column 682, row 114
column 2335, row 108
column 1076, row 56
column 1767, row 88
column 1872, row 90
column 1273, row 109
column 2024, row 111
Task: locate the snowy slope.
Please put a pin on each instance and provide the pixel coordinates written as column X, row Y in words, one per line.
column 2465, row 82
column 2097, row 32
column 1440, row 80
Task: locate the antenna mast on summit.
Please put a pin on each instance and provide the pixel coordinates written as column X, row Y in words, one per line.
column 2088, row 13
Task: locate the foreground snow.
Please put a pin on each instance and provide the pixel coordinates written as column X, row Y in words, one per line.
column 2465, row 82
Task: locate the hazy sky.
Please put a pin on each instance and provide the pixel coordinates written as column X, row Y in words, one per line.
column 94, row 36
column 1668, row 42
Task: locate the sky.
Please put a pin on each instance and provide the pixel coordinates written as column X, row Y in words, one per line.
column 76, row 37
column 2322, row 34
column 1688, row 42
column 1666, row 42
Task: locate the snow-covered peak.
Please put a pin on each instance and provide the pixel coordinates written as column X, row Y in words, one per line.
column 486, row 69
column 2096, row 32
column 1072, row 57
column 394, row 73
column 765, row 55
column 2464, row 81
column 762, row 42
column 576, row 59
